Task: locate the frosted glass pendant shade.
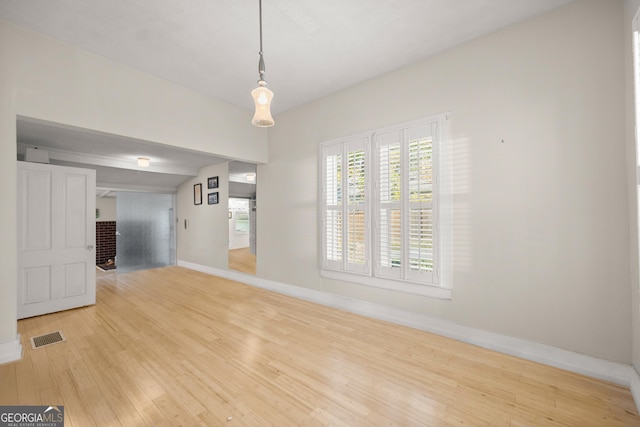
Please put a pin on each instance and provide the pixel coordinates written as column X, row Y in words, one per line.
column 262, row 98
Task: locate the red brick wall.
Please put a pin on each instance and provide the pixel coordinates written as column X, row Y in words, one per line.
column 105, row 241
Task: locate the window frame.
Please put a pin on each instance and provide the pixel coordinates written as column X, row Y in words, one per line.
column 439, row 283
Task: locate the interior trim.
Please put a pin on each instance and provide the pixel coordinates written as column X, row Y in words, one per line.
column 635, row 386
column 11, row 351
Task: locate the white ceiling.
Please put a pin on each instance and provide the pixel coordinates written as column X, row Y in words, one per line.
column 312, row 48
column 114, row 157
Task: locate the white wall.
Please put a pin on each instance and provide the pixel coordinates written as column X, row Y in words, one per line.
column 8, row 243
column 49, row 80
column 107, row 207
column 630, row 9
column 205, row 241
column 541, row 220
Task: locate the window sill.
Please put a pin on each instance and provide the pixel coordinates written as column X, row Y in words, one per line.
column 392, row 285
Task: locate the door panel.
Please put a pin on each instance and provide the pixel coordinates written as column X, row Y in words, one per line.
column 74, row 279
column 75, row 201
column 56, row 238
column 37, row 212
column 37, row 284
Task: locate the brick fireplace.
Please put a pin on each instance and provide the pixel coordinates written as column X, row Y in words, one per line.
column 105, row 241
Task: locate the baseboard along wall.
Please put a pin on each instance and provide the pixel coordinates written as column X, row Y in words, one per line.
column 11, row 351
column 635, row 386
column 618, row 373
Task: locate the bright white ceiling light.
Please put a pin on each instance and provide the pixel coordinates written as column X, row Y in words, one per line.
column 143, row 162
column 261, row 95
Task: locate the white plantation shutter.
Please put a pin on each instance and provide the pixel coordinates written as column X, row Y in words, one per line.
column 420, row 240
column 406, row 216
column 332, row 213
column 357, row 239
column 389, row 221
column 345, row 214
column 421, row 216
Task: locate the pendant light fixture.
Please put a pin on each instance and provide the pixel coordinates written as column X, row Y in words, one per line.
column 261, row 95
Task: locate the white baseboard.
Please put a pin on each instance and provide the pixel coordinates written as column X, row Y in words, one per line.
column 11, row 351
column 635, row 386
column 618, row 373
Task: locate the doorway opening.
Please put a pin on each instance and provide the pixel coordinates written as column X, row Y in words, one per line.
column 105, row 230
column 145, row 231
column 241, row 257
column 242, row 217
column 134, row 231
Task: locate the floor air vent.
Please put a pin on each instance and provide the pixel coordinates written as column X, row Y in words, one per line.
column 47, row 339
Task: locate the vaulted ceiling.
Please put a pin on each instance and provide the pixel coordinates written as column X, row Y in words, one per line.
column 312, row 48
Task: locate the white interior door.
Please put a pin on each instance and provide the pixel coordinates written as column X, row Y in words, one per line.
column 56, row 238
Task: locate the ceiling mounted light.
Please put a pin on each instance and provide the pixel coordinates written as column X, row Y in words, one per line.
column 143, row 162
column 261, row 95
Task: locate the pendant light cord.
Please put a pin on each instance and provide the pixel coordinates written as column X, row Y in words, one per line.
column 260, row 11
column 261, row 67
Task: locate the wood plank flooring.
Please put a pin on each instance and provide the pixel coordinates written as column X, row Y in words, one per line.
column 174, row 347
column 242, row 260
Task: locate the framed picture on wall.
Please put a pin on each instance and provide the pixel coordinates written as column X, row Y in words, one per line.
column 213, row 198
column 212, row 182
column 197, row 194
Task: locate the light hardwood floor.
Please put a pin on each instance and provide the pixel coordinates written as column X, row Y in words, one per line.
column 242, row 260
column 170, row 347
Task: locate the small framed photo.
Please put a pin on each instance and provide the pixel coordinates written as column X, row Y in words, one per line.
column 212, row 182
column 197, row 194
column 212, row 199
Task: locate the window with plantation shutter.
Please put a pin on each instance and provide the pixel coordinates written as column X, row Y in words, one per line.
column 356, row 236
column 333, row 208
column 389, row 221
column 421, row 216
column 405, row 205
column 380, row 207
column 345, row 213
